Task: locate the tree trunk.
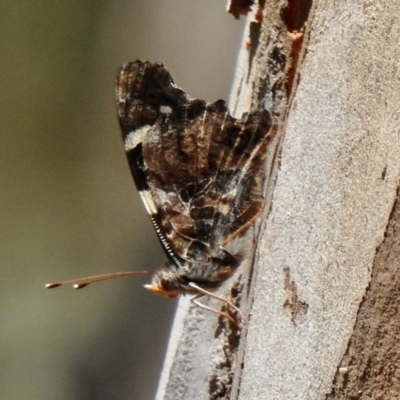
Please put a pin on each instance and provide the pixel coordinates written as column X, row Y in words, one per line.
column 321, row 295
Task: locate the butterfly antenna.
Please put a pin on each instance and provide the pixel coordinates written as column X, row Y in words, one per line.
column 82, row 282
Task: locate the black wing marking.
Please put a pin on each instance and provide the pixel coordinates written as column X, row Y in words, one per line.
column 198, row 169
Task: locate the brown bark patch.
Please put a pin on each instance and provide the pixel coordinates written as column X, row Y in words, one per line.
column 373, row 354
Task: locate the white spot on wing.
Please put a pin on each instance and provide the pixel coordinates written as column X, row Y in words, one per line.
column 148, row 202
column 165, row 110
column 136, row 137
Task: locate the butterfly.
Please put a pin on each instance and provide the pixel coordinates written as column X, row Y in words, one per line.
column 200, row 174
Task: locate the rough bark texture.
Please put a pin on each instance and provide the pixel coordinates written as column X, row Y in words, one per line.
column 322, row 299
column 370, row 367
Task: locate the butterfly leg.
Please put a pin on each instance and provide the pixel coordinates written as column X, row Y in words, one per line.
column 203, row 292
column 218, row 312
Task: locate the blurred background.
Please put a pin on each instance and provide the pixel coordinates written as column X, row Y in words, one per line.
column 68, row 205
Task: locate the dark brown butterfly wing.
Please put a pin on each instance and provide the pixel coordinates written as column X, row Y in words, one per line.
column 199, row 170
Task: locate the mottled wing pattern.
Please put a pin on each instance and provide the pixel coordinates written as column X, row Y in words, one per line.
column 199, row 170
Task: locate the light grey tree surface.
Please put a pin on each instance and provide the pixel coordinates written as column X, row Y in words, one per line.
column 332, row 201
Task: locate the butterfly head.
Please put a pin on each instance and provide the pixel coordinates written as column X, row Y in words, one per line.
column 165, row 283
column 191, row 278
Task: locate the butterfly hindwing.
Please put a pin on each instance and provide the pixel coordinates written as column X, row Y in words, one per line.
column 196, row 166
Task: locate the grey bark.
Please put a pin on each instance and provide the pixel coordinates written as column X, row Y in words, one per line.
column 321, row 306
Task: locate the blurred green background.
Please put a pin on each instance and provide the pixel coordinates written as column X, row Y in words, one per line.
column 68, row 206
